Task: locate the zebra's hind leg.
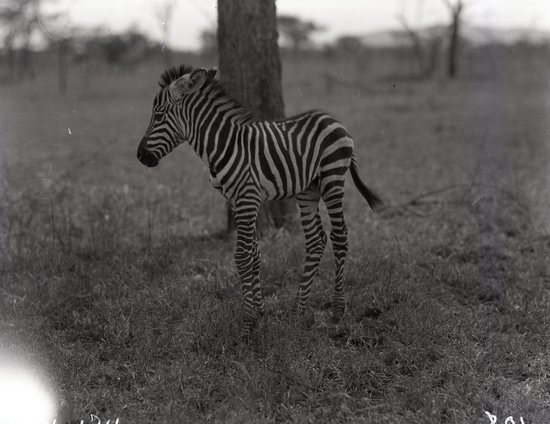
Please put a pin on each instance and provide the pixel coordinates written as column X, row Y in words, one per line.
column 315, row 241
column 333, row 198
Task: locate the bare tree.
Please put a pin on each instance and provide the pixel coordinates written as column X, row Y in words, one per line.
column 28, row 25
column 60, row 33
column 251, row 69
column 425, row 41
column 20, row 17
column 426, row 47
column 456, row 9
column 9, row 16
column 164, row 11
column 416, row 42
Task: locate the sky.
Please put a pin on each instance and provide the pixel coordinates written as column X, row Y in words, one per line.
column 338, row 17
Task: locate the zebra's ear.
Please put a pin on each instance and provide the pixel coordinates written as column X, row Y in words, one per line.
column 211, row 74
column 188, row 83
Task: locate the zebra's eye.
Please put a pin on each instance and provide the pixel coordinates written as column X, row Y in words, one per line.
column 157, row 116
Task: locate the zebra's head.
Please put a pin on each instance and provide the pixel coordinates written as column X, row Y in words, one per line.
column 167, row 128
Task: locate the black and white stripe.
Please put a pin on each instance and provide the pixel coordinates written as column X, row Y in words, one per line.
column 306, row 156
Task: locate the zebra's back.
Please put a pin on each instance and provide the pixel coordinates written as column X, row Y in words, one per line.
column 289, row 155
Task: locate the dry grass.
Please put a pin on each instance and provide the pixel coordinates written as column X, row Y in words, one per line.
column 112, row 277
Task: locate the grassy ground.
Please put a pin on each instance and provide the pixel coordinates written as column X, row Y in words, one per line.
column 112, row 278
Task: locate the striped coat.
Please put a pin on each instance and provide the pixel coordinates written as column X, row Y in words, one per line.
column 306, row 156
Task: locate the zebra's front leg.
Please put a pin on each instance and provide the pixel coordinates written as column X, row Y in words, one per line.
column 315, row 241
column 256, row 286
column 247, row 259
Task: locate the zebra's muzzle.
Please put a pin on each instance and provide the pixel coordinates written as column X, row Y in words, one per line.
column 147, row 158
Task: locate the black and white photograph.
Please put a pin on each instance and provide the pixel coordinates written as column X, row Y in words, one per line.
column 274, row 211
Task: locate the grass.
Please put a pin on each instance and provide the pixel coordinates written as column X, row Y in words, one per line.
column 113, row 279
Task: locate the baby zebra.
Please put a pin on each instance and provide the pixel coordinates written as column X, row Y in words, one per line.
column 306, row 156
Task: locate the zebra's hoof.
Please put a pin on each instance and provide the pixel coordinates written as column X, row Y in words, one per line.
column 244, row 337
column 337, row 315
column 248, row 325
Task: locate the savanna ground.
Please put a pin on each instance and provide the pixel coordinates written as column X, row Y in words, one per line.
column 114, row 281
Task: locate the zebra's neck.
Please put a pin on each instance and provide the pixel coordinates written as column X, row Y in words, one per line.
column 214, row 123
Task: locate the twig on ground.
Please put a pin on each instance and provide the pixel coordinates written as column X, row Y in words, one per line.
column 528, row 243
column 420, row 199
column 399, row 250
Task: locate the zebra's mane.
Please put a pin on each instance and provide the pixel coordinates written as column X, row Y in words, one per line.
column 174, row 72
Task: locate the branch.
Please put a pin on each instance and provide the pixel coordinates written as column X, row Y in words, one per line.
column 528, row 243
column 403, row 21
column 418, row 199
column 456, row 8
column 415, row 39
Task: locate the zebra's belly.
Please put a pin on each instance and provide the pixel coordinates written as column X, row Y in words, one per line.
column 217, row 185
column 283, row 189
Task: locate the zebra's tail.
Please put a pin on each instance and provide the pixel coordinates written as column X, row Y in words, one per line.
column 370, row 196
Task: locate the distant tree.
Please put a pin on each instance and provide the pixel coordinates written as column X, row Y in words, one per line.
column 416, row 42
column 425, row 47
column 456, row 9
column 28, row 24
column 354, row 50
column 60, row 34
column 114, row 48
column 117, row 50
column 251, row 69
column 9, row 16
column 138, row 46
column 87, row 46
column 164, row 11
column 20, row 18
column 125, row 48
column 209, row 42
column 349, row 44
column 296, row 31
column 64, row 48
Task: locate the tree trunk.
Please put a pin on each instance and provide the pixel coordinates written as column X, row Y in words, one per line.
column 10, row 60
column 26, row 62
column 250, row 70
column 454, row 40
column 62, row 63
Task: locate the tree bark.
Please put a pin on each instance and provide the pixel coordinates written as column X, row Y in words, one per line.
column 250, row 70
column 62, row 63
column 454, row 39
column 10, row 59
